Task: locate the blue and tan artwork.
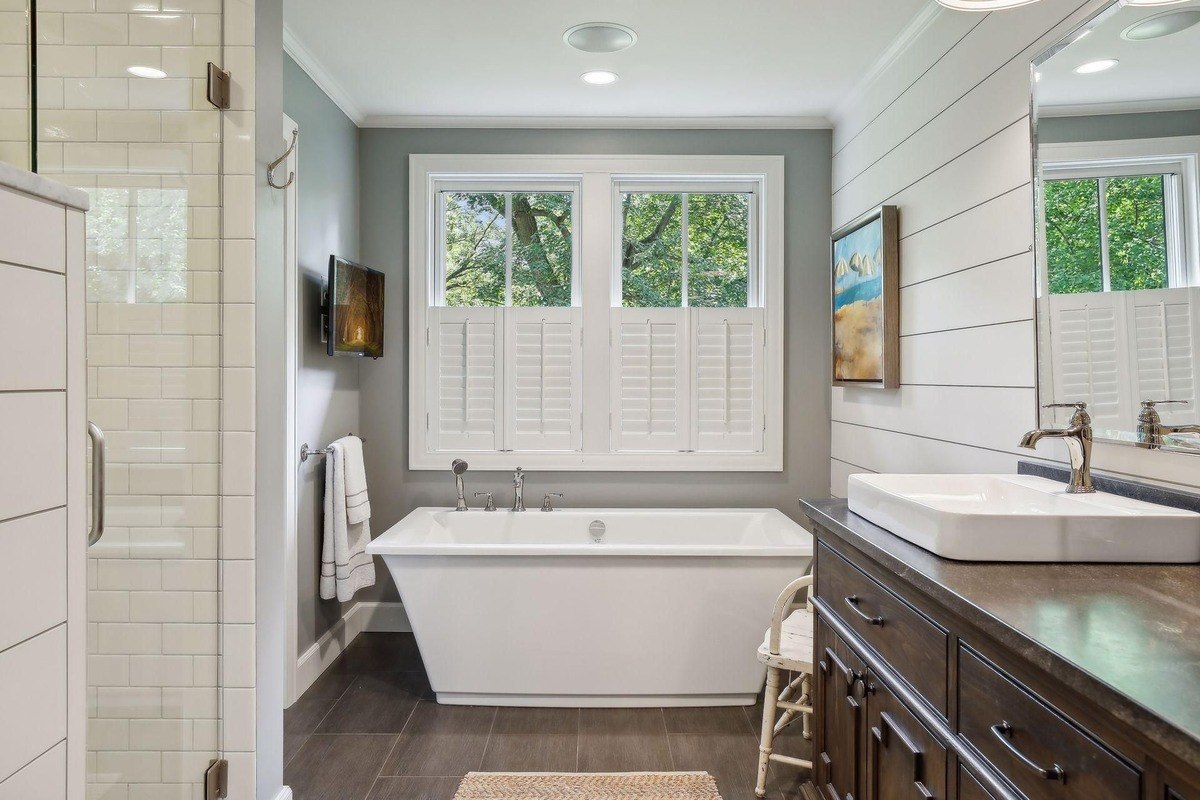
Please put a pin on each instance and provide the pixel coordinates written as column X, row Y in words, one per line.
column 858, row 304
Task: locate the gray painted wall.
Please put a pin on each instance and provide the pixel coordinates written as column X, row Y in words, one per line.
column 395, row 490
column 1110, row 127
column 327, row 388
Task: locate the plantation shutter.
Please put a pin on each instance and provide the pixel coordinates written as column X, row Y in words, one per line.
column 544, row 378
column 1162, row 352
column 1087, row 341
column 465, row 364
column 727, row 379
column 649, row 361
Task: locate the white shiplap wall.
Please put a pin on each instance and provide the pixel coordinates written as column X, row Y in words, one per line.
column 943, row 132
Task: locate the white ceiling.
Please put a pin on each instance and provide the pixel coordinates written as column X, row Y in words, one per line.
column 398, row 61
column 1155, row 74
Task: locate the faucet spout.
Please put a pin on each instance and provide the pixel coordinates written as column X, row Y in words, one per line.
column 1078, row 439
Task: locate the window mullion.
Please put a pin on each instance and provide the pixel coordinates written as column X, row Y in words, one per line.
column 683, row 240
column 1105, row 263
column 508, row 250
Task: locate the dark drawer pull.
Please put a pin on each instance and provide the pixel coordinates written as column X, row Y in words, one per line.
column 1003, row 732
column 852, row 601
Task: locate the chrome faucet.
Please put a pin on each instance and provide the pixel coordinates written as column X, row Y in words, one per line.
column 1078, row 438
column 519, row 490
column 458, row 466
column 1150, row 427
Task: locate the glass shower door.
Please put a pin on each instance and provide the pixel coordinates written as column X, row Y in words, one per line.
column 122, row 114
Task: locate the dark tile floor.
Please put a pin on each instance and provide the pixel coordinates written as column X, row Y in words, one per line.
column 370, row 728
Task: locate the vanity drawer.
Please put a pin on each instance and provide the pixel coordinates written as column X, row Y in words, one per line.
column 1030, row 743
column 912, row 644
column 969, row 788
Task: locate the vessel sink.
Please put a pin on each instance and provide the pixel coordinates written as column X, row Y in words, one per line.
column 1023, row 518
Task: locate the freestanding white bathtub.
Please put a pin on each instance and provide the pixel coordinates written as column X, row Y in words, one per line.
column 665, row 607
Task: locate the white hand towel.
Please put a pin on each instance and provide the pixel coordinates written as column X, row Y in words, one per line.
column 358, row 505
column 345, row 565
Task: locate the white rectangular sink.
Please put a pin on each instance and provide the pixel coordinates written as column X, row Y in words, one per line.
column 1023, row 518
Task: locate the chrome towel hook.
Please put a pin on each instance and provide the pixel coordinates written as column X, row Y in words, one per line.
column 274, row 165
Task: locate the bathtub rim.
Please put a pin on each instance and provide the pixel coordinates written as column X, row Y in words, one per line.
column 385, row 544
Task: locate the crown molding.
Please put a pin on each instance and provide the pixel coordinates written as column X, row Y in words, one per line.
column 326, row 82
column 899, row 46
column 665, row 123
column 1120, row 107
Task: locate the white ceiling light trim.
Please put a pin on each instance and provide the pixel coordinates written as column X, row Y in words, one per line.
column 600, row 37
column 1152, row 2
column 983, row 5
column 1160, row 25
column 600, row 77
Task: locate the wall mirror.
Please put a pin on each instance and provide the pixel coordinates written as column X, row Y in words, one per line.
column 1116, row 107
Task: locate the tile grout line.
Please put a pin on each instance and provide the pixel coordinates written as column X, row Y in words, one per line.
column 662, row 712
column 488, row 741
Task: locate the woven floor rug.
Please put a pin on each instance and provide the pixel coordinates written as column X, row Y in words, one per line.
column 600, row 786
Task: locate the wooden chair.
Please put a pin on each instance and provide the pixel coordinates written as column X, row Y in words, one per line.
column 788, row 645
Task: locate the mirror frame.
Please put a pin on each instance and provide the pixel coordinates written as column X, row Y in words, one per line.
column 1046, row 417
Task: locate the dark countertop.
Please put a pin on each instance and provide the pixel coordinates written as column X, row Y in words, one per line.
column 1125, row 635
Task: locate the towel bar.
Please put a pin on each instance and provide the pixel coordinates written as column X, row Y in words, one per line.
column 306, row 451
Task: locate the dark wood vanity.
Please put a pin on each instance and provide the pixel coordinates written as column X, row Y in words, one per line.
column 985, row 681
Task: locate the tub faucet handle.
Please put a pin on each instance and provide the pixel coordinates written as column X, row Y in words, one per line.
column 489, row 505
column 547, row 505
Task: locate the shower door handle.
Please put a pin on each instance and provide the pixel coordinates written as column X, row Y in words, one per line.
column 98, row 499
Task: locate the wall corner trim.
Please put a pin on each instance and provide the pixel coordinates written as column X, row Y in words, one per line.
column 321, row 76
column 363, row 617
column 903, row 41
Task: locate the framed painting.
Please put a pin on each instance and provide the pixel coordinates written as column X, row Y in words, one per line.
column 865, row 292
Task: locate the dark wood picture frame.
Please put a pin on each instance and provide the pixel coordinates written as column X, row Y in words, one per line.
column 890, row 298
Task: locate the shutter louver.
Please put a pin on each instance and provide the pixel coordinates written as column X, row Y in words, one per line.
column 727, row 382
column 1163, row 353
column 544, row 379
column 649, row 380
column 465, row 365
column 1086, row 334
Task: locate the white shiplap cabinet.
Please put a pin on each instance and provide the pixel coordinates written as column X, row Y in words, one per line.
column 43, row 514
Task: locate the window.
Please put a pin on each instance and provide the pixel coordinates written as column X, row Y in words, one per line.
column 1119, row 216
column 507, row 248
column 685, row 249
column 597, row 312
column 1110, row 233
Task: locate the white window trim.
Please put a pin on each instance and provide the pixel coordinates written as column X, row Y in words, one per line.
column 1178, row 155
column 595, row 177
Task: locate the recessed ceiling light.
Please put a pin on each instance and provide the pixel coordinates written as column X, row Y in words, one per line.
column 1092, row 67
column 600, row 37
column 1152, row 2
column 146, row 72
column 599, row 77
column 984, row 5
column 1160, row 25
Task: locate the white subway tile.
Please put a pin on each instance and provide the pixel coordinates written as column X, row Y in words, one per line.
column 128, row 766
column 190, row 702
column 160, row 29
column 116, row 702
column 128, row 638
column 194, row 639
column 157, row 670
column 108, row 606
column 189, row 575
column 191, row 382
column 131, row 575
column 237, row 527
column 96, row 29
column 107, row 670
column 238, row 720
column 114, row 61
column 160, row 351
column 94, row 93
column 190, row 447
column 169, row 606
column 160, row 734
column 237, row 592
column 107, row 734
column 237, row 655
column 237, row 473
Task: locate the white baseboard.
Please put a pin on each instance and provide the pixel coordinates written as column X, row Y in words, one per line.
column 373, row 617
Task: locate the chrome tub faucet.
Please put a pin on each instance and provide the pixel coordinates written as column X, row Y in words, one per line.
column 1078, row 438
column 458, row 466
column 519, row 490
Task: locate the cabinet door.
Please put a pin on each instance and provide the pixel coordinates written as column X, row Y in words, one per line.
column 839, row 715
column 904, row 761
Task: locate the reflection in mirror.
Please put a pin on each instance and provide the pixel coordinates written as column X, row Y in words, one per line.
column 1117, row 109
